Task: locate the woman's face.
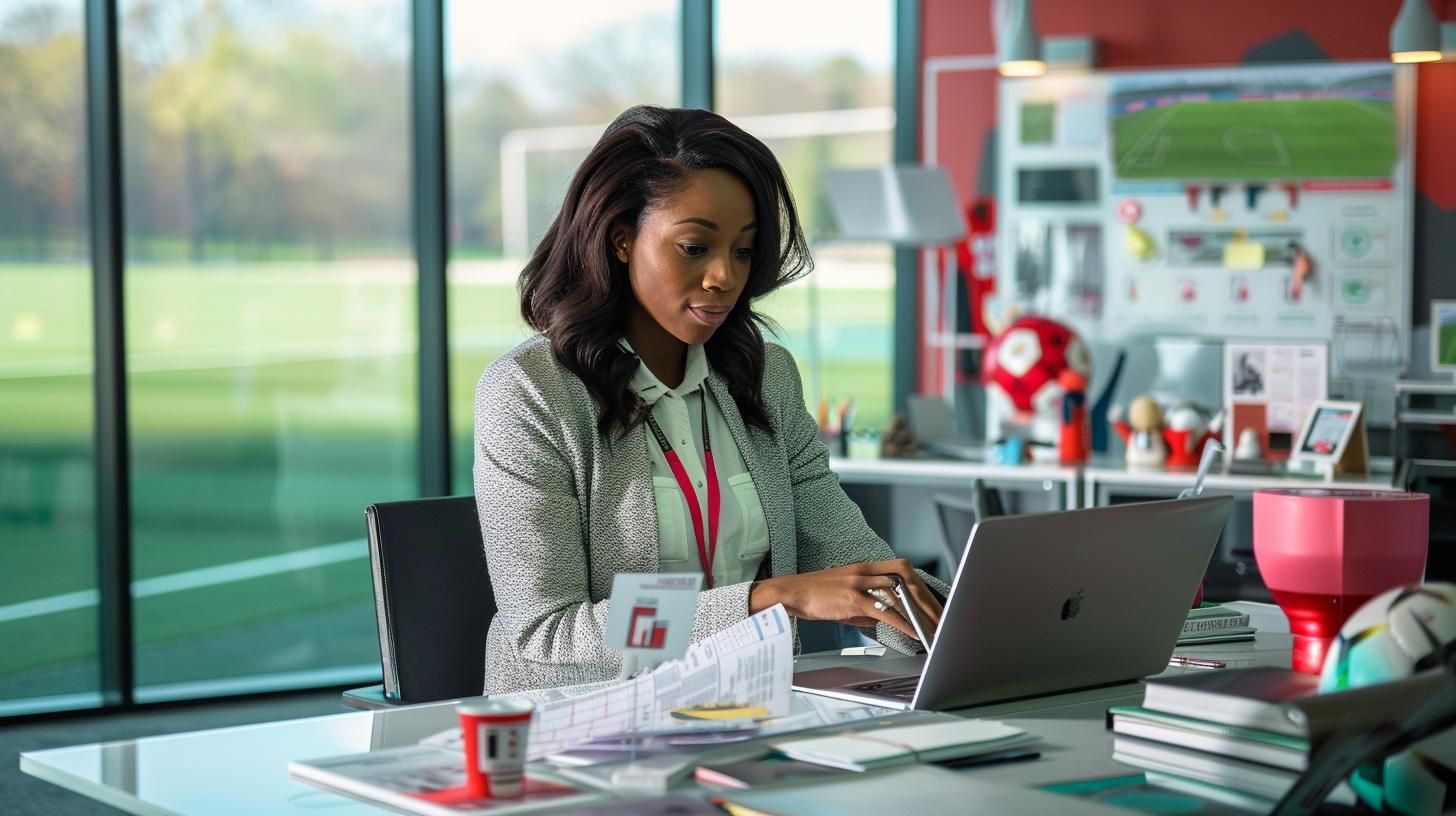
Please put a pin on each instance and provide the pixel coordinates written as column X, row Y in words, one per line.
column 690, row 257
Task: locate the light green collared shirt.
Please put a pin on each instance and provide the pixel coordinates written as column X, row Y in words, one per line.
column 742, row 531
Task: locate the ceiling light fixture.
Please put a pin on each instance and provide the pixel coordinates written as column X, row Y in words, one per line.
column 1415, row 36
column 1018, row 44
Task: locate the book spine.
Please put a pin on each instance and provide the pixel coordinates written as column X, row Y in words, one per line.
column 1215, row 624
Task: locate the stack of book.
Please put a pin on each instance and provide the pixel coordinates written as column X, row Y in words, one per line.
column 1215, row 623
column 1231, row 728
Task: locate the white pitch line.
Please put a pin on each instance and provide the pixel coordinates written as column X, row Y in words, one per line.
column 50, row 606
column 1370, row 109
column 1135, row 153
column 195, row 579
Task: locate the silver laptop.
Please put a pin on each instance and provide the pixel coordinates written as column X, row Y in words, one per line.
column 931, row 421
column 1050, row 602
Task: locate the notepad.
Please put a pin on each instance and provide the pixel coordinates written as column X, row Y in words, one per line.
column 883, row 747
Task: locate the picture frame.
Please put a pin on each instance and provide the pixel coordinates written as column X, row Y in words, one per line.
column 1333, row 439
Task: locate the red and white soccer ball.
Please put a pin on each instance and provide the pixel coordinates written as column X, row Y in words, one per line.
column 1020, row 369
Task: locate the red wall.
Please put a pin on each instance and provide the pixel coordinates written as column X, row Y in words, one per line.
column 1158, row 33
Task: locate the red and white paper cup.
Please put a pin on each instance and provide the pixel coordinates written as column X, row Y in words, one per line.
column 495, row 734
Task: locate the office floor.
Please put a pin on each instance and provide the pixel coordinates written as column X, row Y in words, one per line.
column 25, row 795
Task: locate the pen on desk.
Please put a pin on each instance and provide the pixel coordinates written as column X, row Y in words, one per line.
column 1196, row 662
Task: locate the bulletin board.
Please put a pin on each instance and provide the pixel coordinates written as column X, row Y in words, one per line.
column 1180, row 202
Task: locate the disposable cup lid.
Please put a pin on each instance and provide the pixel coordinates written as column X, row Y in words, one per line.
column 495, row 707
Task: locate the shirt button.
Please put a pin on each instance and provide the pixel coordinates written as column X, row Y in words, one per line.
column 682, row 441
column 700, row 483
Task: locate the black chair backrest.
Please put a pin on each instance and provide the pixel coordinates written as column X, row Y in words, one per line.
column 958, row 517
column 432, row 597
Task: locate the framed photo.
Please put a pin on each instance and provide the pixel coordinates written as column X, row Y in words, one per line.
column 1333, row 438
column 1443, row 336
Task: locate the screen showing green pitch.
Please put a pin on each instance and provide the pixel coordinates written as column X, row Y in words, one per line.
column 1211, row 125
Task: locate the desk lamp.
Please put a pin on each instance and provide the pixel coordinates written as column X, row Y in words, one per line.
column 908, row 205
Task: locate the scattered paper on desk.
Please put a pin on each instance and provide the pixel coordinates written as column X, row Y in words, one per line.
column 750, row 663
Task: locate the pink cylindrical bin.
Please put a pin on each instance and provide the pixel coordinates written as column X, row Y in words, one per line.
column 1325, row 552
column 495, row 733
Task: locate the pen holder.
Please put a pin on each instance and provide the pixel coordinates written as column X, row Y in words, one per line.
column 864, row 445
column 836, row 441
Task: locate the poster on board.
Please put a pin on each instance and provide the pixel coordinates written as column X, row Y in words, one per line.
column 1269, row 387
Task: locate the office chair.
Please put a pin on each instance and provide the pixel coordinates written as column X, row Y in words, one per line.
column 958, row 516
column 432, row 600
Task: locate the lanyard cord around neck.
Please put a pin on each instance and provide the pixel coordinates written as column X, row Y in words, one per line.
column 707, row 545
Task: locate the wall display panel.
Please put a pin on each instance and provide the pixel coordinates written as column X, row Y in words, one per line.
column 530, row 91
column 48, row 584
column 822, row 96
column 1269, row 202
column 271, row 336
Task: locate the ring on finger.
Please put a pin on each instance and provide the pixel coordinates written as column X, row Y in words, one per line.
column 882, row 598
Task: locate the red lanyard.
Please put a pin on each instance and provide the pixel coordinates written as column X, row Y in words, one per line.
column 707, row 547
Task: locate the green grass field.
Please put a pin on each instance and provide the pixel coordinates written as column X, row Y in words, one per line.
column 1257, row 139
column 268, row 406
column 1446, row 345
column 1038, row 122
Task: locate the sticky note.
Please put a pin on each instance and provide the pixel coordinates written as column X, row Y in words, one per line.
column 1243, row 254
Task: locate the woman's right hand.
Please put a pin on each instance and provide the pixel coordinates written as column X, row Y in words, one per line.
column 842, row 594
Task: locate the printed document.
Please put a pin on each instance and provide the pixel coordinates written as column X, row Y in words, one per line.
column 748, row 665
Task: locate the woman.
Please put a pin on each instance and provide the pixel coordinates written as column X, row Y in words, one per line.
column 649, row 427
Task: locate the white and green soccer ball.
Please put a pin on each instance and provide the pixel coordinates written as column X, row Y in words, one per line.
column 1396, row 634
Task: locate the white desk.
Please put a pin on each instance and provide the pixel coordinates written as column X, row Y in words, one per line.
column 955, row 474
column 243, row 770
column 1098, row 481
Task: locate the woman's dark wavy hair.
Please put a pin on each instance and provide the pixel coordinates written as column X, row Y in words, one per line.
column 575, row 291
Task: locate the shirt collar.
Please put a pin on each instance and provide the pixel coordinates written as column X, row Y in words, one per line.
column 647, row 386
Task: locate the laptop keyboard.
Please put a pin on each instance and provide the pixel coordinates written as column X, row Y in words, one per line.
column 900, row 688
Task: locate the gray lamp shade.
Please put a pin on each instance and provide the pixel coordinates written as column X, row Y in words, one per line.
column 904, row 204
column 1018, row 46
column 1415, row 36
column 1018, row 39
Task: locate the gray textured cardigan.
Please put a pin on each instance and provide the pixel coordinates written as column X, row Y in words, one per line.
column 561, row 514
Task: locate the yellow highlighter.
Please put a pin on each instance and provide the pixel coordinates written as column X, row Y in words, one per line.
column 735, row 809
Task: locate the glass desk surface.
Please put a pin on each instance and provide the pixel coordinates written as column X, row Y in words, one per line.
column 244, row 769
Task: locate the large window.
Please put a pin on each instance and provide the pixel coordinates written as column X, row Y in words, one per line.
column 822, row 96
column 270, row 292
column 48, row 597
column 529, row 94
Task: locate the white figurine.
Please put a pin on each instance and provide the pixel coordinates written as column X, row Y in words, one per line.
column 1248, row 449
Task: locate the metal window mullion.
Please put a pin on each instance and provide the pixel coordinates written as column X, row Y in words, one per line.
column 109, row 386
column 697, row 48
column 431, row 241
column 907, row 140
